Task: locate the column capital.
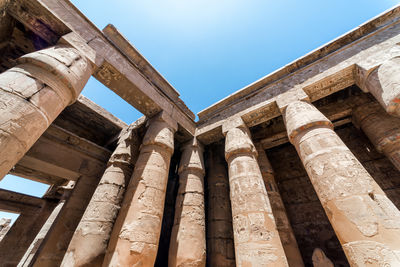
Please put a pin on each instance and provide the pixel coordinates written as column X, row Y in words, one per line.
column 300, row 116
column 192, row 157
column 383, row 83
column 69, row 68
column 283, row 100
column 161, row 129
column 237, row 138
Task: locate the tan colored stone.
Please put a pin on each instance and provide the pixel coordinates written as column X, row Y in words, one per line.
column 135, row 236
column 89, row 243
column 220, row 248
column 382, row 83
column 382, row 130
column 33, row 93
column 358, row 209
column 285, row 230
column 257, row 241
column 188, row 240
column 319, row 259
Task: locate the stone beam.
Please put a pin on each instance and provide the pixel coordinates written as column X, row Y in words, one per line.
column 324, row 71
column 59, row 156
column 119, row 66
column 339, row 114
column 20, row 203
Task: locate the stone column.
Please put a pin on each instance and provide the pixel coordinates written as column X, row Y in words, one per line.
column 89, row 243
column 257, row 241
column 188, row 240
column 382, row 130
column 285, row 230
column 366, row 222
column 33, row 93
column 22, row 233
column 52, row 249
column 383, row 84
column 135, row 236
column 220, row 248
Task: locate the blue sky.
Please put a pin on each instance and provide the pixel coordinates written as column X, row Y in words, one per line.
column 208, row 49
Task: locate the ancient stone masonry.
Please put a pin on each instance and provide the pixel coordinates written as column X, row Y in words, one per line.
column 137, row 229
column 382, row 129
column 365, row 220
column 287, row 237
column 220, row 248
column 257, row 241
column 88, row 246
column 188, row 241
column 300, row 168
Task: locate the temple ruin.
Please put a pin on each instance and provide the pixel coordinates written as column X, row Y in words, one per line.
column 300, row 168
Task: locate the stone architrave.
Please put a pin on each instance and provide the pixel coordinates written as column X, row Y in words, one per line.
column 285, row 230
column 366, row 222
column 135, row 236
column 188, row 240
column 33, row 94
column 383, row 84
column 220, row 247
column 257, row 241
column 382, row 130
column 89, row 243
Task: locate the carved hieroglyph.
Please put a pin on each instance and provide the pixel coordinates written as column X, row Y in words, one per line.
column 383, row 84
column 366, row 222
column 285, row 230
column 33, row 94
column 382, row 129
column 136, row 233
column 188, row 240
column 257, row 241
column 220, row 248
column 89, row 243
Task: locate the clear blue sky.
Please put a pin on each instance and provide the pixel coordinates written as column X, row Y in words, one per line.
column 208, row 49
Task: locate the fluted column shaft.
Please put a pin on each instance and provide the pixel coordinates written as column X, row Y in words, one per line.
column 257, row 241
column 188, row 239
column 135, row 236
column 33, row 94
column 285, row 230
column 366, row 222
column 220, row 247
column 382, row 129
column 89, row 243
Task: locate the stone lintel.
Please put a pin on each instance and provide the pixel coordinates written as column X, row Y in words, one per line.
column 21, row 203
column 77, row 42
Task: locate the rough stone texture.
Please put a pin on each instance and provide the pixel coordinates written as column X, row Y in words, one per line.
column 382, row 83
column 89, row 244
column 52, row 250
column 257, row 241
column 220, row 246
column 33, row 93
column 285, row 230
column 4, row 227
column 31, row 251
column 135, row 236
column 364, row 219
column 188, row 240
column 319, row 259
column 382, row 130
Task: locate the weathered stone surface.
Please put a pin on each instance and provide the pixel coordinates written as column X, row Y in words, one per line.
column 382, row 83
column 319, row 259
column 356, row 206
column 89, row 244
column 257, row 241
column 282, row 222
column 136, row 232
column 188, row 239
column 220, row 248
column 382, row 130
column 33, row 93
